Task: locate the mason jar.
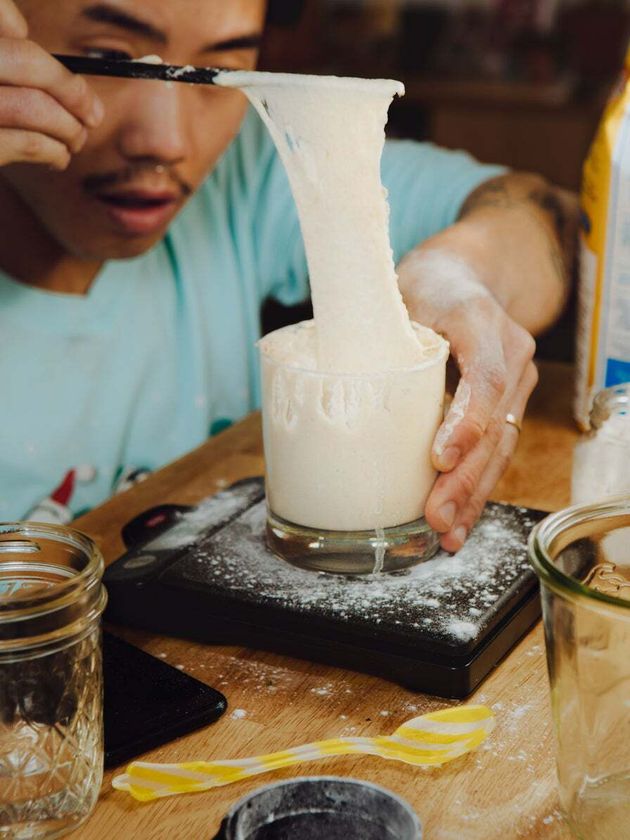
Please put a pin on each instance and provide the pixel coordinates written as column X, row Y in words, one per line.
column 51, row 703
column 582, row 557
column 601, row 458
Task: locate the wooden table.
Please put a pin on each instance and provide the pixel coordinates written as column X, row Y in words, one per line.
column 506, row 790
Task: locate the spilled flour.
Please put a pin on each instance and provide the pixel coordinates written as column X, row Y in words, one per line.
column 214, row 511
column 449, row 600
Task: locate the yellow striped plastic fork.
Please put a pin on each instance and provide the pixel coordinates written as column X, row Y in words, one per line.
column 426, row 741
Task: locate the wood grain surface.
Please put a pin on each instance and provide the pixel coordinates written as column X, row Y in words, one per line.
column 505, row 790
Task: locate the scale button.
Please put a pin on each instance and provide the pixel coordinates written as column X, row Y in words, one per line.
column 140, row 561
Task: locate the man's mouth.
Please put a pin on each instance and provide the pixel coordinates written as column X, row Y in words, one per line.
column 139, row 212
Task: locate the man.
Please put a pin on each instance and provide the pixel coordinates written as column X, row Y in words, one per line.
column 128, row 333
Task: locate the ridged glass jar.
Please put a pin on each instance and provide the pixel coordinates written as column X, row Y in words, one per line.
column 51, row 691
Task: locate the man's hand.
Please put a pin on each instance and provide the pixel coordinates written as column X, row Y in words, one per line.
column 494, row 354
column 497, row 276
column 45, row 111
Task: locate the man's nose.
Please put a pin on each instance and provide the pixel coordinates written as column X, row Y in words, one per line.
column 157, row 127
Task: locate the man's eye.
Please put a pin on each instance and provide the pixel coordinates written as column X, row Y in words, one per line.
column 109, row 55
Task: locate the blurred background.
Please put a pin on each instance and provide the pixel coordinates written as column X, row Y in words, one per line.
column 517, row 82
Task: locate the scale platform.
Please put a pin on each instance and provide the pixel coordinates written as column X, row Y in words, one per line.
column 206, row 574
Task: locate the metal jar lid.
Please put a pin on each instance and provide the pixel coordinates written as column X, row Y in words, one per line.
column 321, row 807
column 583, row 553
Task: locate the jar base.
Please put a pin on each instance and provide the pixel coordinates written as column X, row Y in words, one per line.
column 352, row 552
column 43, row 827
column 601, row 810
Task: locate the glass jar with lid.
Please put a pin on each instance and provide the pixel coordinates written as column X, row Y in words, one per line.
column 51, row 707
column 601, row 460
column 582, row 557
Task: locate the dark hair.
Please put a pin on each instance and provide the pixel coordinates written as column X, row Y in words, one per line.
column 284, row 12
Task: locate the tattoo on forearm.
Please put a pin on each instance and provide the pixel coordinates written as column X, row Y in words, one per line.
column 562, row 246
column 548, row 201
column 501, row 194
column 492, row 193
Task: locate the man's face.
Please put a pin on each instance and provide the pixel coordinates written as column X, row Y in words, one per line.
column 158, row 140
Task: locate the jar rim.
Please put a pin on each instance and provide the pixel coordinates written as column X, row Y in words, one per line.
column 33, row 601
column 440, row 355
column 553, row 532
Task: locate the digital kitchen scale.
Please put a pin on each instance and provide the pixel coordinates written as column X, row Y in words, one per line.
column 205, row 573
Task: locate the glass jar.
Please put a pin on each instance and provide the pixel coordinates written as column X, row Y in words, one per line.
column 582, row 557
column 601, row 459
column 51, row 706
column 348, row 459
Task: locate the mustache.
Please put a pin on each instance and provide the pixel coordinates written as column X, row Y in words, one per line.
column 130, row 174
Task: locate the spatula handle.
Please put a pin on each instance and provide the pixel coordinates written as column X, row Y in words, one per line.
column 139, row 70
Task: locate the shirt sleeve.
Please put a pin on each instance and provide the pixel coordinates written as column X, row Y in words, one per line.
column 427, row 187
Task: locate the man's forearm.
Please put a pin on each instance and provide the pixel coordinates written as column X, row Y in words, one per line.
column 500, row 273
column 516, row 234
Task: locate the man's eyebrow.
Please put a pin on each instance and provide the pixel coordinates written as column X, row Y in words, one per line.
column 104, row 13
column 241, row 42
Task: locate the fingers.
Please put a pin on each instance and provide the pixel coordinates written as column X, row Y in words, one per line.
column 487, row 370
column 36, row 111
column 495, row 466
column 17, row 146
column 24, row 64
column 12, row 23
column 45, row 110
column 453, row 491
column 459, row 496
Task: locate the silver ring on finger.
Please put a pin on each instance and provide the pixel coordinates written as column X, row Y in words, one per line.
column 512, row 420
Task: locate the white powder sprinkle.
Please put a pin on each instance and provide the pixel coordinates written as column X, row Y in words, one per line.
column 450, row 598
column 238, row 714
column 464, row 630
column 178, row 72
column 323, row 691
column 211, row 512
column 521, row 711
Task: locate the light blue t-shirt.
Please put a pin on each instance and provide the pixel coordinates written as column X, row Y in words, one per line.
column 161, row 352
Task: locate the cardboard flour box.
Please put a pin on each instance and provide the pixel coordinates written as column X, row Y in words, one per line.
column 603, row 338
